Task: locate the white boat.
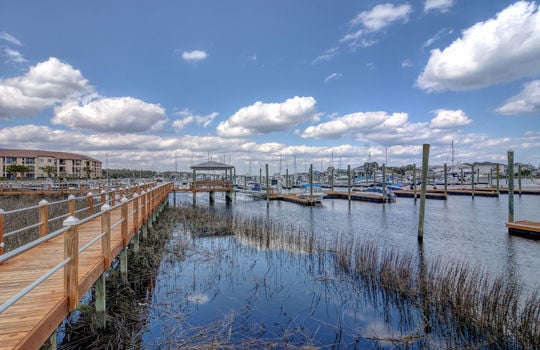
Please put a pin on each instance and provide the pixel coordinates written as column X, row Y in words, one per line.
column 313, row 192
column 390, row 196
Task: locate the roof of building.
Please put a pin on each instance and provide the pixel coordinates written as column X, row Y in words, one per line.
column 29, row 153
column 211, row 165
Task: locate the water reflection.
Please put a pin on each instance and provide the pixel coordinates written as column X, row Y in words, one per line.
column 230, row 290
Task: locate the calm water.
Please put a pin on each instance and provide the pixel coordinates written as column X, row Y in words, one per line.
column 235, row 291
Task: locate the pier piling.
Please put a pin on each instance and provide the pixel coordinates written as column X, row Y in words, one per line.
column 349, row 183
column 425, row 161
column 510, row 186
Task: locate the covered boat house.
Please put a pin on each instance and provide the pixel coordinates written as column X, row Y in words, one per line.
column 212, row 177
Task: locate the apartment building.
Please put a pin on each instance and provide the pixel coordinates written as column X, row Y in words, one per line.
column 40, row 163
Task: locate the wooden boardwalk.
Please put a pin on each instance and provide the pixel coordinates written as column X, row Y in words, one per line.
column 29, row 322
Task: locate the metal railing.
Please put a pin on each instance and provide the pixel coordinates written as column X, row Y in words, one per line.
column 70, row 231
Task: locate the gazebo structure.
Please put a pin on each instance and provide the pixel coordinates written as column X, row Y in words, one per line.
column 224, row 183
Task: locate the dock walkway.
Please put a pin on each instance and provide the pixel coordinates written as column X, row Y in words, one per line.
column 28, row 322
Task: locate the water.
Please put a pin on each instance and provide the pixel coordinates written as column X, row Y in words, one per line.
column 235, row 292
column 459, row 228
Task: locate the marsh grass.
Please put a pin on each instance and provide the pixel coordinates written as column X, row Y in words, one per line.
column 462, row 306
column 126, row 301
column 440, row 304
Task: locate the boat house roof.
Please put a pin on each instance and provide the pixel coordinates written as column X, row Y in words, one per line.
column 211, row 165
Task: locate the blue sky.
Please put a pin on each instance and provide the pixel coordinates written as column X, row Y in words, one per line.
column 155, row 85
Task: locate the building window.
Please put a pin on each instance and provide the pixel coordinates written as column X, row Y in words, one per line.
column 11, row 160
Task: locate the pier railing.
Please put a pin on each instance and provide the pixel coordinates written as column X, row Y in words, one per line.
column 205, row 186
column 20, row 226
column 136, row 210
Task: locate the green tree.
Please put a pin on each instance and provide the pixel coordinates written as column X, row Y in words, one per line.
column 17, row 169
column 49, row 169
column 87, row 171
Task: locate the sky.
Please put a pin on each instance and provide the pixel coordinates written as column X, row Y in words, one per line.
column 163, row 85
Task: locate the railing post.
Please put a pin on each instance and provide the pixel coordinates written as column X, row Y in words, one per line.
column 71, row 270
column 103, row 195
column 149, row 208
column 44, row 218
column 124, row 224
column 136, row 212
column 113, row 197
column 2, row 244
column 106, row 239
column 90, row 203
column 71, row 205
column 143, row 206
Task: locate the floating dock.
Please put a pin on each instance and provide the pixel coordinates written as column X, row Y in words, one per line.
column 356, row 196
column 429, row 195
column 293, row 198
column 529, row 229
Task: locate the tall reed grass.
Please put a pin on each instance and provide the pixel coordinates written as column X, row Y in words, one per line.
column 460, row 307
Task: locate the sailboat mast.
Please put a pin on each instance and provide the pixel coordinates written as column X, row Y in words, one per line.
column 452, row 153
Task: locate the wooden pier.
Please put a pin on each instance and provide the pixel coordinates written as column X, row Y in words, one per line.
column 529, row 229
column 42, row 281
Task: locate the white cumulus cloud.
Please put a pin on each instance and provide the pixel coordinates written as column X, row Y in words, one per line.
column 44, row 85
column 119, row 114
column 195, row 55
column 446, row 119
column 526, row 102
column 354, row 123
column 501, row 49
column 263, row 118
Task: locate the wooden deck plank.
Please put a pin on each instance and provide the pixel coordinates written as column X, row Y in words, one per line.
column 30, row 321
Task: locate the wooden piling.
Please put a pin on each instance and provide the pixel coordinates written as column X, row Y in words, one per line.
column 510, row 186
column 384, row 178
column 472, row 181
column 349, row 183
column 101, row 301
column 414, row 181
column 425, row 161
column 267, row 187
column 311, row 181
column 124, row 264
column 332, row 179
column 497, row 170
column 519, row 179
column 445, row 179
